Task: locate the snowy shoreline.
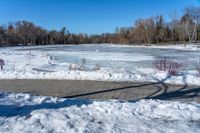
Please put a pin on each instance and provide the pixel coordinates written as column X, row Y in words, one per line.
column 170, row 45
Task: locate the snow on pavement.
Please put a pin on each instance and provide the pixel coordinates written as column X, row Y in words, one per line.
column 36, row 114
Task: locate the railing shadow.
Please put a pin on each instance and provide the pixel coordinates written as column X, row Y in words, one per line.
column 108, row 90
column 182, row 93
column 162, row 92
column 123, row 88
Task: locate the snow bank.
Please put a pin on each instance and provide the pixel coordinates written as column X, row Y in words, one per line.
column 34, row 114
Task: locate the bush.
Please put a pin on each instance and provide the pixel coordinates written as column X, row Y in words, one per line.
column 78, row 66
column 83, row 61
column 168, row 65
column 81, row 66
column 75, row 67
column 97, row 67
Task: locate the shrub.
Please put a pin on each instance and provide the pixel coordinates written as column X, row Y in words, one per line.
column 75, row 67
column 83, row 61
column 97, row 67
column 168, row 65
column 81, row 66
column 78, row 66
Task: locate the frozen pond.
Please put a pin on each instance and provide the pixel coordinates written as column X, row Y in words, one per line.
column 119, row 57
column 117, row 63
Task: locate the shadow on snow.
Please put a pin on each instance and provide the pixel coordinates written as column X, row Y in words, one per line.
column 14, row 110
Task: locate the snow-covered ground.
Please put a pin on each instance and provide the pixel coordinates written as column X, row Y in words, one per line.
column 117, row 62
column 36, row 114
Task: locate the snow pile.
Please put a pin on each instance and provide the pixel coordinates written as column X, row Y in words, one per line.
column 26, row 113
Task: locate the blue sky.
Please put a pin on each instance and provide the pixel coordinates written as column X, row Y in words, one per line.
column 87, row 16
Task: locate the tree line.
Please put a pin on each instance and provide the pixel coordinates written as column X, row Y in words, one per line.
column 151, row 30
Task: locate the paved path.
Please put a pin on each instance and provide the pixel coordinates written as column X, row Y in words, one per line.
column 102, row 90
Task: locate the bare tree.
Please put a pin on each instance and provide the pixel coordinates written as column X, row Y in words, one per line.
column 174, row 21
column 193, row 14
